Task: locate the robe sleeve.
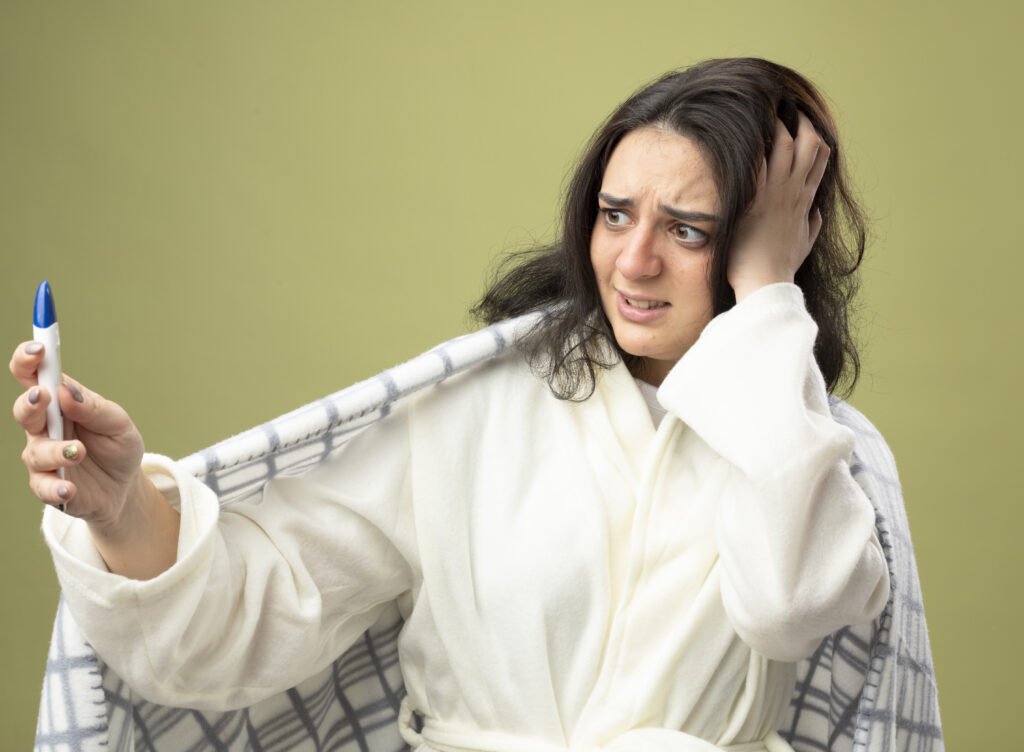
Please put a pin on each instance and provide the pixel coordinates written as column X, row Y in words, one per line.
column 263, row 593
column 795, row 532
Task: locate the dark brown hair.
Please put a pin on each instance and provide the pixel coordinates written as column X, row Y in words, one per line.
column 729, row 107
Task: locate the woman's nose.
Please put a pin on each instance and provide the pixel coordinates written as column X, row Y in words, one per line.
column 638, row 258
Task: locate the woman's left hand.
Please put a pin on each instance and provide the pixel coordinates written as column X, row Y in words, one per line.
column 777, row 232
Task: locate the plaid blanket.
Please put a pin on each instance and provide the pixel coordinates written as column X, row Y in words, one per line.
column 869, row 688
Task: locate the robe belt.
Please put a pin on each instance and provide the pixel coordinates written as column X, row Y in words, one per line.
column 442, row 737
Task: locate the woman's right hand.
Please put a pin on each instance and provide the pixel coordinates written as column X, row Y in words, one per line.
column 101, row 463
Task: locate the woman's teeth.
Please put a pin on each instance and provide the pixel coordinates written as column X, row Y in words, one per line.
column 645, row 303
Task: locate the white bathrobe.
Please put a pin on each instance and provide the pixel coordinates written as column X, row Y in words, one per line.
column 570, row 576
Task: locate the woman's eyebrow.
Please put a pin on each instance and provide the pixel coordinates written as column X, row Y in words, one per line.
column 616, row 202
column 688, row 216
column 683, row 216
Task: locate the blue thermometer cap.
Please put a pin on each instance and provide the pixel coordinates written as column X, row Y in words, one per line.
column 45, row 312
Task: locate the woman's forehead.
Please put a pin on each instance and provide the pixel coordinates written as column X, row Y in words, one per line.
column 654, row 163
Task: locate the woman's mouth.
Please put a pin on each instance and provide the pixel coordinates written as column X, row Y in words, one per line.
column 640, row 310
column 645, row 303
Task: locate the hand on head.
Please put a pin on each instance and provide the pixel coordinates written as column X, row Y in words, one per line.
column 776, row 235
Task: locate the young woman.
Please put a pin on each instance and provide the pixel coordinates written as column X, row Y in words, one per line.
column 621, row 535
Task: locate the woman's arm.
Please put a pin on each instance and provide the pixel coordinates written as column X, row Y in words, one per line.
column 795, row 532
column 198, row 608
column 261, row 594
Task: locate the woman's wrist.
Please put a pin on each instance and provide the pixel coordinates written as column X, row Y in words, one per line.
column 143, row 541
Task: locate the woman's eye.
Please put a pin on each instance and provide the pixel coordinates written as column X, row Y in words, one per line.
column 690, row 235
column 614, row 217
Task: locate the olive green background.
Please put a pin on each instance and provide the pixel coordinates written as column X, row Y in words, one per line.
column 244, row 206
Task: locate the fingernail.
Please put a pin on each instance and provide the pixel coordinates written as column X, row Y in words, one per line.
column 70, row 452
column 33, row 347
column 33, row 395
column 75, row 391
column 62, row 491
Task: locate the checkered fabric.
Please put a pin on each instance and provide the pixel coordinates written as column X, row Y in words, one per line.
column 866, row 689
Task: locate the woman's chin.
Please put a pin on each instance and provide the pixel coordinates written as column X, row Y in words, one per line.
column 643, row 348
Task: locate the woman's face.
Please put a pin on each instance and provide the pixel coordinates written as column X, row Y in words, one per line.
column 651, row 246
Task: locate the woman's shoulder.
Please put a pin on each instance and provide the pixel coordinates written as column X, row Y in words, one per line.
column 505, row 380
